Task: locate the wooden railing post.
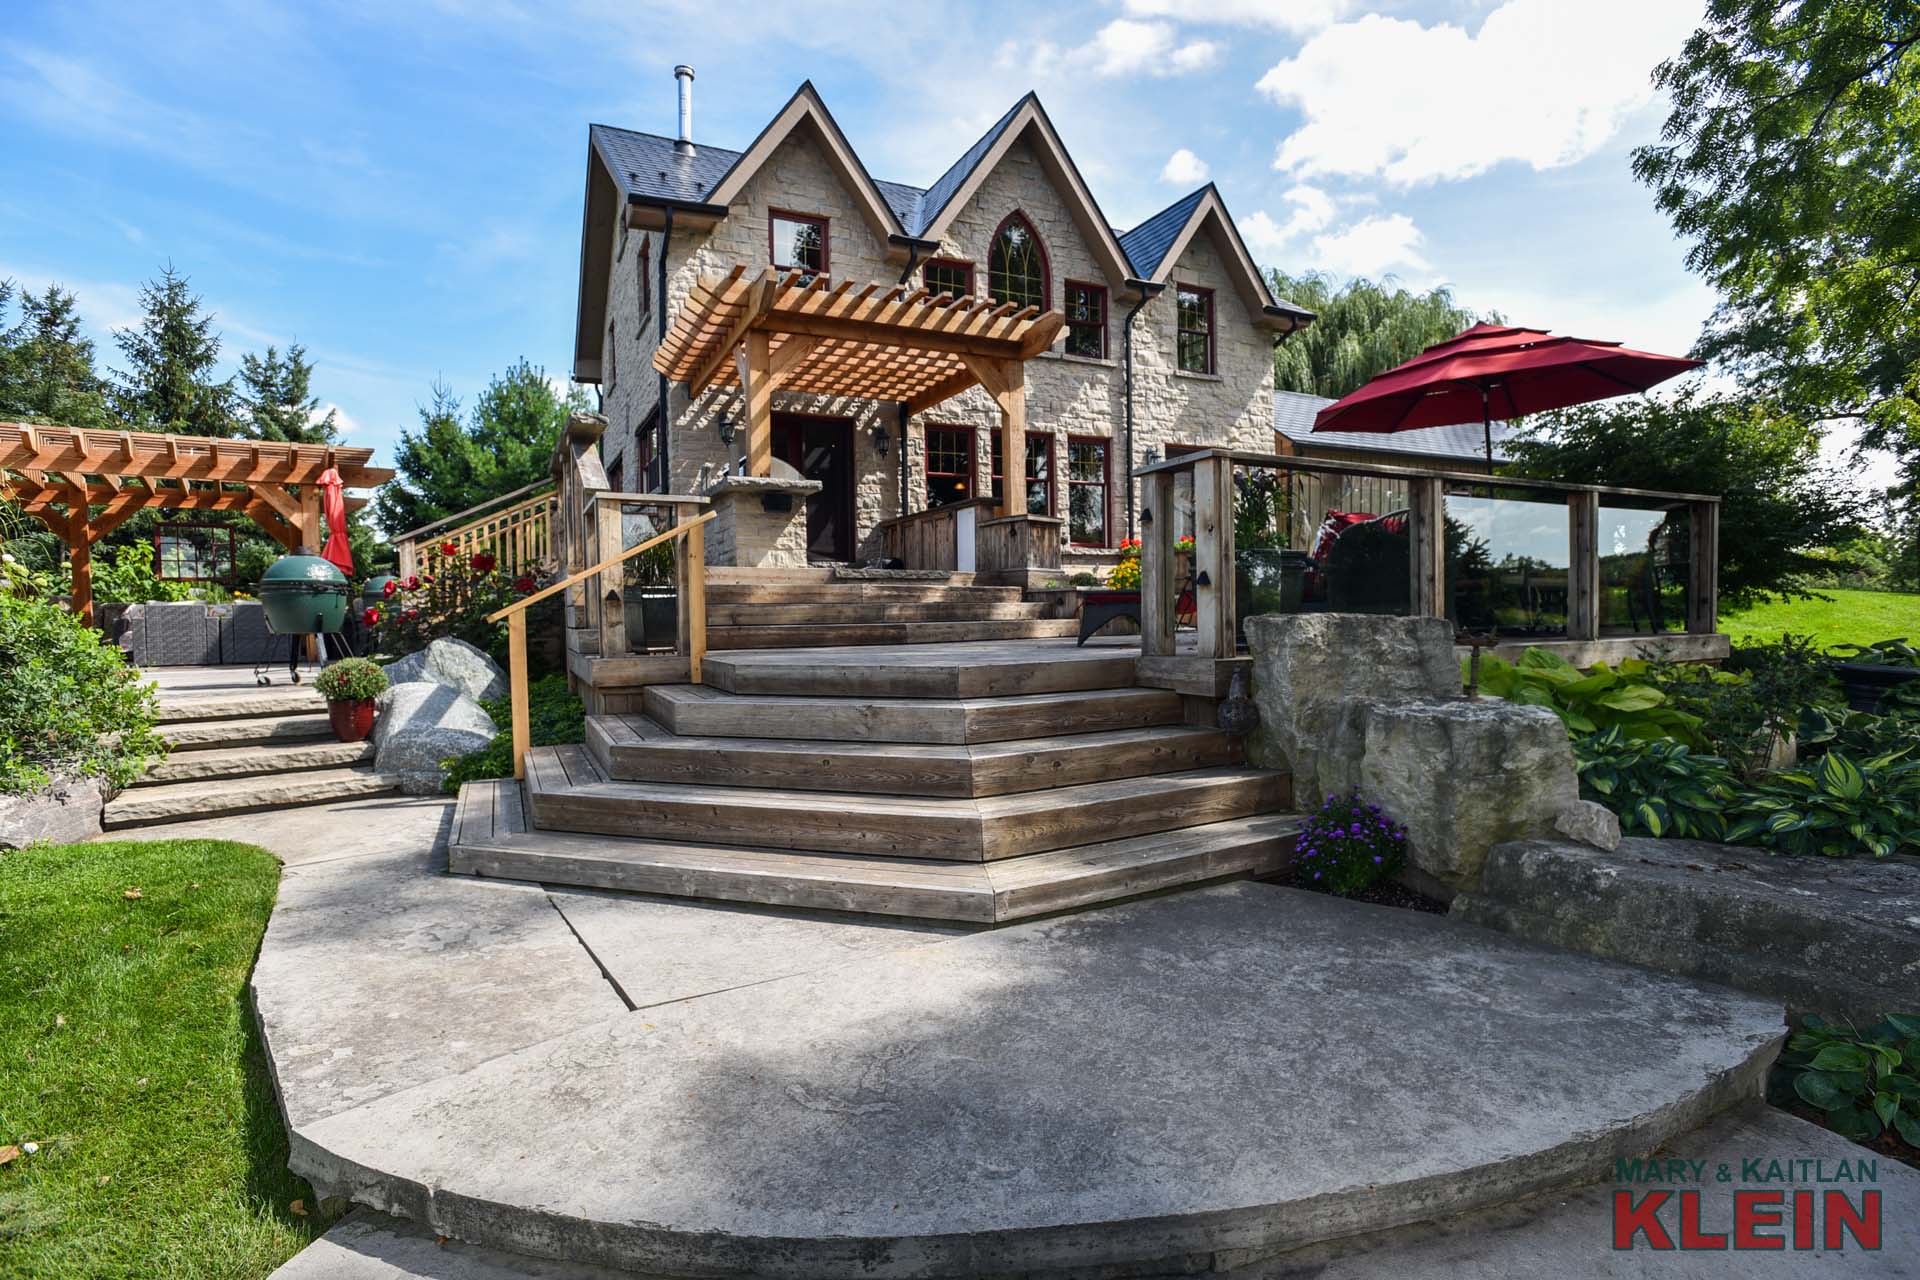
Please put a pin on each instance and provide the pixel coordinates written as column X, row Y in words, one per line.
column 613, row 614
column 517, row 689
column 1703, row 573
column 693, row 599
column 1158, row 590
column 1427, row 547
column 1213, row 552
column 1583, row 566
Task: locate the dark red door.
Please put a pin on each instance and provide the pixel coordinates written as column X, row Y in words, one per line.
column 821, row 449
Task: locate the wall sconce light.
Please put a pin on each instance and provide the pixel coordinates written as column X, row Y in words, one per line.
column 1146, row 516
column 880, row 440
column 1153, row 455
column 726, row 429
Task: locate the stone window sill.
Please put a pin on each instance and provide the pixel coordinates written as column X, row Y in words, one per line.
column 1098, row 362
column 1199, row 377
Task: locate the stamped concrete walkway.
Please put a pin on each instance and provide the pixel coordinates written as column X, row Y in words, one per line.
column 565, row 1080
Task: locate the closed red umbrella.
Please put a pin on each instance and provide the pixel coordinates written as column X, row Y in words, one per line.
column 333, row 500
column 1496, row 370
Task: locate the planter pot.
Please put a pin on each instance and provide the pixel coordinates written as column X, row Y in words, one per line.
column 1869, row 684
column 653, row 620
column 352, row 720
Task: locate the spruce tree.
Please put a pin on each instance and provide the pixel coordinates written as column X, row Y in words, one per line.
column 276, row 400
column 168, row 384
column 46, row 363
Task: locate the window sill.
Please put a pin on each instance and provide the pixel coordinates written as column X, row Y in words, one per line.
column 1100, row 362
column 1199, row 377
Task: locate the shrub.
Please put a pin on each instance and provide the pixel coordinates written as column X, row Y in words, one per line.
column 1834, row 808
column 1348, row 846
column 452, row 596
column 1657, row 786
column 554, row 718
column 128, row 577
column 69, row 704
column 1624, row 697
column 1885, row 653
column 1125, row 576
column 1867, row 1082
column 351, row 680
column 1763, row 694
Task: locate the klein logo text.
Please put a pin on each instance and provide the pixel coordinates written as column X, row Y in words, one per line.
column 1762, row 1220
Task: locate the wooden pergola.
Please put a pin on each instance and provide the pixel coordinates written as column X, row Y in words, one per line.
column 872, row 342
column 84, row 484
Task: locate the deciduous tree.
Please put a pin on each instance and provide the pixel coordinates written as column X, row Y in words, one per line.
column 1360, row 329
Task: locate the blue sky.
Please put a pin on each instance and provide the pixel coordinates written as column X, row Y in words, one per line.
column 397, row 186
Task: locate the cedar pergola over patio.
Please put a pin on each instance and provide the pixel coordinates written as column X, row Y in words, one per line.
column 870, row 342
column 85, row 484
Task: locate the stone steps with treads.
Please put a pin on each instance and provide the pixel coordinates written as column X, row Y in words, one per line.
column 807, row 635
column 211, row 798
column 978, row 670
column 701, row 711
column 240, row 762
column 203, row 735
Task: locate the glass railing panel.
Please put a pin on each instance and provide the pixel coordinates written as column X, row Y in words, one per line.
column 1645, row 567
column 1507, row 563
column 649, row 586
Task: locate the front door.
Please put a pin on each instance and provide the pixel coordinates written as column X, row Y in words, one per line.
column 821, row 449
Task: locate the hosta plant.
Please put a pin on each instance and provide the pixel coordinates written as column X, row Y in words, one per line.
column 1624, row 697
column 1883, row 653
column 1867, row 1082
column 1657, row 786
column 1835, row 807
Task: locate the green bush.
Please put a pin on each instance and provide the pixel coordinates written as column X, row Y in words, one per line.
column 351, row 680
column 127, row 577
column 1867, row 1082
column 1885, row 653
column 69, row 704
column 1834, row 808
column 1348, row 846
column 1657, row 786
column 1760, row 697
column 554, row 718
column 1626, row 697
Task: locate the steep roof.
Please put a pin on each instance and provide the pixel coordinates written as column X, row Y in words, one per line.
column 1156, row 244
column 649, row 168
column 1147, row 244
column 935, row 197
column 1293, row 413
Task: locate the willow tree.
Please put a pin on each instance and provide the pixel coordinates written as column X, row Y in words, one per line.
column 1360, row 329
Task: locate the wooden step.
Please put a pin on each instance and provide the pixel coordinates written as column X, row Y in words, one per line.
column 829, row 613
column 567, row 791
column 199, row 735
column 860, row 593
column 632, row 748
column 212, row 798
column 700, row 711
column 490, row 839
column 240, row 762
column 985, row 670
column 809, row 636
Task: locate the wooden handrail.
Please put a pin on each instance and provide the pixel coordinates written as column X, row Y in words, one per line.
column 516, row 618
column 411, row 534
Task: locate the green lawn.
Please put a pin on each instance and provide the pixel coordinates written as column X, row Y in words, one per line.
column 1850, row 617
column 129, row 1053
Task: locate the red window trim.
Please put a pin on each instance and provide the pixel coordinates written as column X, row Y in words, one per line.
column 962, row 263
column 1212, row 364
column 1046, row 262
column 1066, row 291
column 826, row 240
column 1053, row 462
column 646, row 272
column 926, row 458
column 1106, row 488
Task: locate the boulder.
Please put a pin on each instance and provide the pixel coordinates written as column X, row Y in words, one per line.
column 1463, row 776
column 453, row 663
column 1590, row 823
column 1307, row 665
column 66, row 812
column 420, row 724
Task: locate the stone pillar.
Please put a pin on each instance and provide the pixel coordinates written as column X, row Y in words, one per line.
column 759, row 522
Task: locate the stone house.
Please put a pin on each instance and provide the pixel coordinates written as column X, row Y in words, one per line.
column 1168, row 342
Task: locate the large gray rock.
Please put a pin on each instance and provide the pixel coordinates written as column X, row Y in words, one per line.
column 1463, row 776
column 454, row 663
column 1306, row 665
column 67, row 812
column 1835, row 936
column 418, row 725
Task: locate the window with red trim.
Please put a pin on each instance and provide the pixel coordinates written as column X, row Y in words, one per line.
column 797, row 242
column 1087, row 486
column 949, row 465
column 646, row 275
column 1039, row 471
column 1086, row 320
column 1017, row 264
column 1195, row 307
column 948, row 275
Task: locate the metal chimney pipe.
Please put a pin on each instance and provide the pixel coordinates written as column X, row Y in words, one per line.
column 684, row 74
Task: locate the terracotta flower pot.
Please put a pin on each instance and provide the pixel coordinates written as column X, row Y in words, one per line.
column 352, row 720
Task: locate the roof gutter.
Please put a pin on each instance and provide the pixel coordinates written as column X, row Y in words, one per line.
column 1147, row 292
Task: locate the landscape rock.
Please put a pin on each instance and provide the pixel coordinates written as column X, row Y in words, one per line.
column 453, row 663
column 1462, row 776
column 67, row 812
column 1590, row 823
column 1306, row 665
column 419, row 724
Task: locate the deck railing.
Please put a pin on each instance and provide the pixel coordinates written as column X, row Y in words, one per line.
column 1517, row 558
column 515, row 528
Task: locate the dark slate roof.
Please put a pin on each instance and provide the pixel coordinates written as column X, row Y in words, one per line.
column 1293, row 413
column 1147, row 243
column 649, row 167
column 905, row 203
column 949, row 182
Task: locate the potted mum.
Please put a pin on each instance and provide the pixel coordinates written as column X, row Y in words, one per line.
column 350, row 686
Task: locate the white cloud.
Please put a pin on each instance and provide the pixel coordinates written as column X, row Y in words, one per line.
column 1374, row 247
column 1125, row 47
column 343, row 422
column 1185, row 168
column 1543, row 82
column 1297, row 16
column 1313, row 210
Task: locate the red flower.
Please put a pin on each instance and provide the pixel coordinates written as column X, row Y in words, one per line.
column 523, row 585
column 372, row 616
column 483, row 563
column 426, row 577
column 413, row 582
column 449, row 549
column 391, row 587
column 411, row 614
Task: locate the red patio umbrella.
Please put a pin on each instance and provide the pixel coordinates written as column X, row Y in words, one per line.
column 1496, row 369
column 334, row 499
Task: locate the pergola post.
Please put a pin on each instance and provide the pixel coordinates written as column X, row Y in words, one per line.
column 755, row 361
column 80, row 556
column 1006, row 382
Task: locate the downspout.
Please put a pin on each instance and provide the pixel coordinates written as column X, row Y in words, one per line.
column 913, row 260
column 660, row 336
column 1126, row 344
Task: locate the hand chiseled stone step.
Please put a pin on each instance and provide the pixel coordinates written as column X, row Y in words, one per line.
column 239, row 762
column 566, row 791
column 229, row 705
column 700, row 711
column 981, row 670
column 202, row 798
column 200, row 735
column 490, row 839
column 632, row 748
column 810, row 636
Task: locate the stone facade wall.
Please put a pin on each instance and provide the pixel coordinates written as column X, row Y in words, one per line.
column 1067, row 396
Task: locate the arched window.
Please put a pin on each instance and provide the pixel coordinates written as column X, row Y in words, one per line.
column 1017, row 264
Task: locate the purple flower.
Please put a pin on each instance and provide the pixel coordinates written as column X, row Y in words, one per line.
column 1376, row 857
column 1316, row 875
